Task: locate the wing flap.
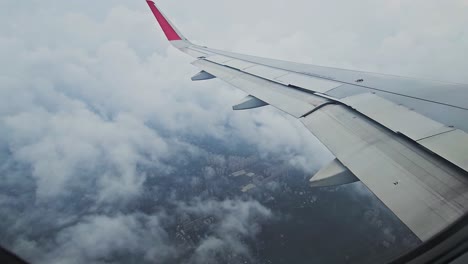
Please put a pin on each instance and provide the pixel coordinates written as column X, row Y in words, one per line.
column 425, row 192
column 396, row 117
column 266, row 72
column 447, row 142
column 194, row 53
column 451, row 145
column 310, row 83
column 291, row 101
column 239, row 64
column 220, row 59
column 299, row 80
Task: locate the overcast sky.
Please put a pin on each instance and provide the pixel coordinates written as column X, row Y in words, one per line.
column 90, row 90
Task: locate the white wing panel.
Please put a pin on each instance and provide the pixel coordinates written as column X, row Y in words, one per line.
column 308, row 82
column 396, row 117
column 266, row 72
column 194, row 53
column 220, row 72
column 291, row 101
column 239, row 64
column 447, row 142
column 219, row 59
column 425, row 192
column 451, row 146
column 272, row 94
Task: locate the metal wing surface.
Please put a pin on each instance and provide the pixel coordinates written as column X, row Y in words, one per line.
column 405, row 139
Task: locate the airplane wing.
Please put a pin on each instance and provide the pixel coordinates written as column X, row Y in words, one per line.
column 405, row 139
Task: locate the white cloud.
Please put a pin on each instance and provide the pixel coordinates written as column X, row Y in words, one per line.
column 89, row 111
column 92, row 98
column 102, row 238
column 78, row 106
column 238, row 220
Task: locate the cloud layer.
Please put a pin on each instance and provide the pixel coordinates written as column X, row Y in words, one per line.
column 94, row 105
column 93, row 109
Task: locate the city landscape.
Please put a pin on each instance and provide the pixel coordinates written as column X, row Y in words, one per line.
column 305, row 222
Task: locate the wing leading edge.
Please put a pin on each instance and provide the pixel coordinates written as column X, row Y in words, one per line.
column 405, row 139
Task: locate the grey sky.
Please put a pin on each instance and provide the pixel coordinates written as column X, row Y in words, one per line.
column 90, row 90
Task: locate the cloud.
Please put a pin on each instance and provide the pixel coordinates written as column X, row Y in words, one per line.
column 94, row 106
column 407, row 37
column 103, row 237
column 91, row 111
column 237, row 221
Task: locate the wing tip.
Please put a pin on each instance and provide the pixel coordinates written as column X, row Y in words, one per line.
column 168, row 29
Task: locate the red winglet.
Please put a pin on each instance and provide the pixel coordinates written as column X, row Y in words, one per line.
column 171, row 34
